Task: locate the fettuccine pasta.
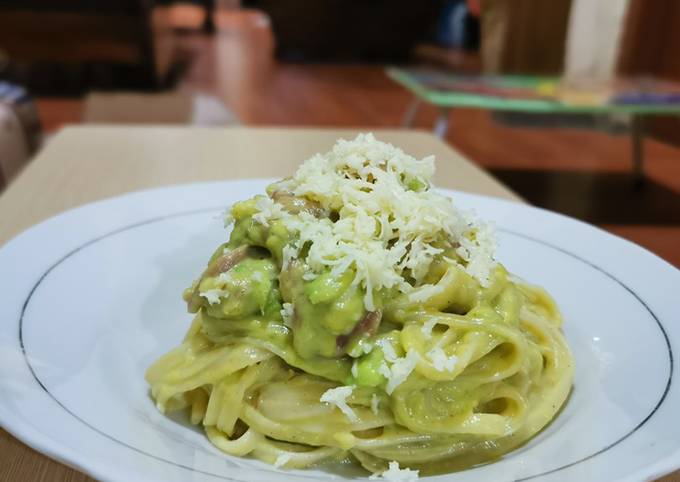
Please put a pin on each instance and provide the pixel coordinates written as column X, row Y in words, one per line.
column 356, row 315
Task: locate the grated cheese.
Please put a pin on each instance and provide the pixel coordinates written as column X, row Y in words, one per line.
column 388, row 350
column 399, row 371
column 390, row 224
column 366, row 347
column 384, row 370
column 396, row 369
column 441, row 361
column 395, row 474
column 338, row 397
column 287, row 313
column 425, row 292
column 213, row 296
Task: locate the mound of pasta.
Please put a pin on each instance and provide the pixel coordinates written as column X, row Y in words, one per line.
column 356, row 315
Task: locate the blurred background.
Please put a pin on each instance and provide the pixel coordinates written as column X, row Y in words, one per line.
column 575, row 104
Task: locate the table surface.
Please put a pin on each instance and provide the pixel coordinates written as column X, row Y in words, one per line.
column 85, row 164
column 438, row 87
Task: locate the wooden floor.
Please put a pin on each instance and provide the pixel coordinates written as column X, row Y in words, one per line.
column 578, row 172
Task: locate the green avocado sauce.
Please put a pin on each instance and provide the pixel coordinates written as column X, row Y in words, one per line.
column 325, row 335
column 325, row 309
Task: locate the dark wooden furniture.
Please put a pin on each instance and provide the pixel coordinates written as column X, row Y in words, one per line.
column 651, row 43
column 524, row 36
column 82, row 38
column 348, row 30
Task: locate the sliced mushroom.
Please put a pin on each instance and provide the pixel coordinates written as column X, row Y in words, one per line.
column 222, row 264
column 368, row 325
column 295, row 204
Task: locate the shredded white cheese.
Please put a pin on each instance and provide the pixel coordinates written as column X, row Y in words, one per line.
column 366, row 347
column 425, row 292
column 375, row 404
column 388, row 350
column 213, row 296
column 399, row 371
column 441, row 361
column 287, row 313
column 362, row 348
column 282, row 460
column 390, row 224
column 338, row 397
column 477, row 252
column 268, row 209
column 384, row 370
column 396, row 369
column 395, row 474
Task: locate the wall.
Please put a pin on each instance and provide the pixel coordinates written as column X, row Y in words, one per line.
column 595, row 31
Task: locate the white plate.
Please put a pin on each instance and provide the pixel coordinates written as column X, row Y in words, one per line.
column 91, row 297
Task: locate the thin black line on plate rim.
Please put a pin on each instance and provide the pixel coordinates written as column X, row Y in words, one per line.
column 205, row 210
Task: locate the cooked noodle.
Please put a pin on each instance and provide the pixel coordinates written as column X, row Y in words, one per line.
column 442, row 370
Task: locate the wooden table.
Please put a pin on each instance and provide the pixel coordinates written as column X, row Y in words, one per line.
column 84, row 164
column 536, row 96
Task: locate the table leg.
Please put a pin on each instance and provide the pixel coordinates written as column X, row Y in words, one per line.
column 442, row 123
column 637, row 137
column 411, row 112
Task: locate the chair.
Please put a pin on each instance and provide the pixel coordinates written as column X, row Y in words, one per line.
column 19, row 131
